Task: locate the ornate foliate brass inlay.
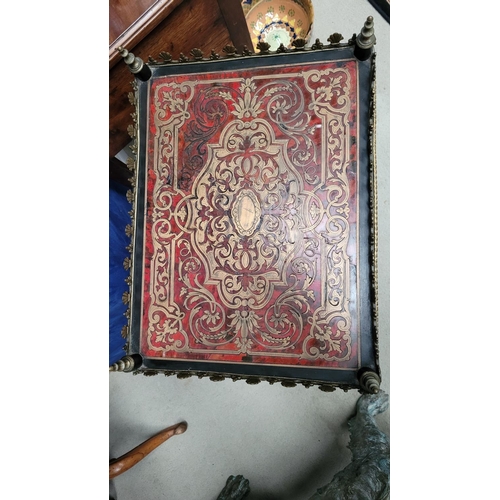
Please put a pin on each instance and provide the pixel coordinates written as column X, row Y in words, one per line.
column 251, row 245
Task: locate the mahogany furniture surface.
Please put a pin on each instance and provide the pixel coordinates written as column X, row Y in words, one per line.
column 192, row 24
column 254, row 219
column 130, row 22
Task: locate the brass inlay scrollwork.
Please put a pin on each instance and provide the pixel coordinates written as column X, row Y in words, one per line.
column 250, row 231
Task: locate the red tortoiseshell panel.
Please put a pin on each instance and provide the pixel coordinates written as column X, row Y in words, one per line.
column 251, row 217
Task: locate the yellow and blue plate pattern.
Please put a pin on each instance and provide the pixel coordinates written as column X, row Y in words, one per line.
column 278, row 22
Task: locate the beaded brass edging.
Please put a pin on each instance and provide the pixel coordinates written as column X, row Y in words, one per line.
column 231, row 52
column 249, row 379
column 128, row 263
column 374, row 208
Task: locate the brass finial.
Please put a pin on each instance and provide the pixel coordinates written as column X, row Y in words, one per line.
column 126, row 364
column 317, row 45
column 135, row 64
column 366, row 39
column 369, row 381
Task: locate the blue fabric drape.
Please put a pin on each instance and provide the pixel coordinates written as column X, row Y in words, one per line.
column 118, row 241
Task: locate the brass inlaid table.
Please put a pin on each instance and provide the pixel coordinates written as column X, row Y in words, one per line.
column 254, row 235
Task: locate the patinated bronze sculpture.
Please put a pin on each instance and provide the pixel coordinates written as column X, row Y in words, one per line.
column 366, row 477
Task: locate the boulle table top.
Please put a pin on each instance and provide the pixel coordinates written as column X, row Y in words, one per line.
column 253, row 238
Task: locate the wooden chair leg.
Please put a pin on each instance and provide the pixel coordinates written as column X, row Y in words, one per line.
column 127, row 461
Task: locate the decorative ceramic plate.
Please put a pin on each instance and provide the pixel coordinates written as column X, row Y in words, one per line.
column 279, row 22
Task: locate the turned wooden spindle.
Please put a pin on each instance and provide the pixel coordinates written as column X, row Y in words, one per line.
column 125, row 462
